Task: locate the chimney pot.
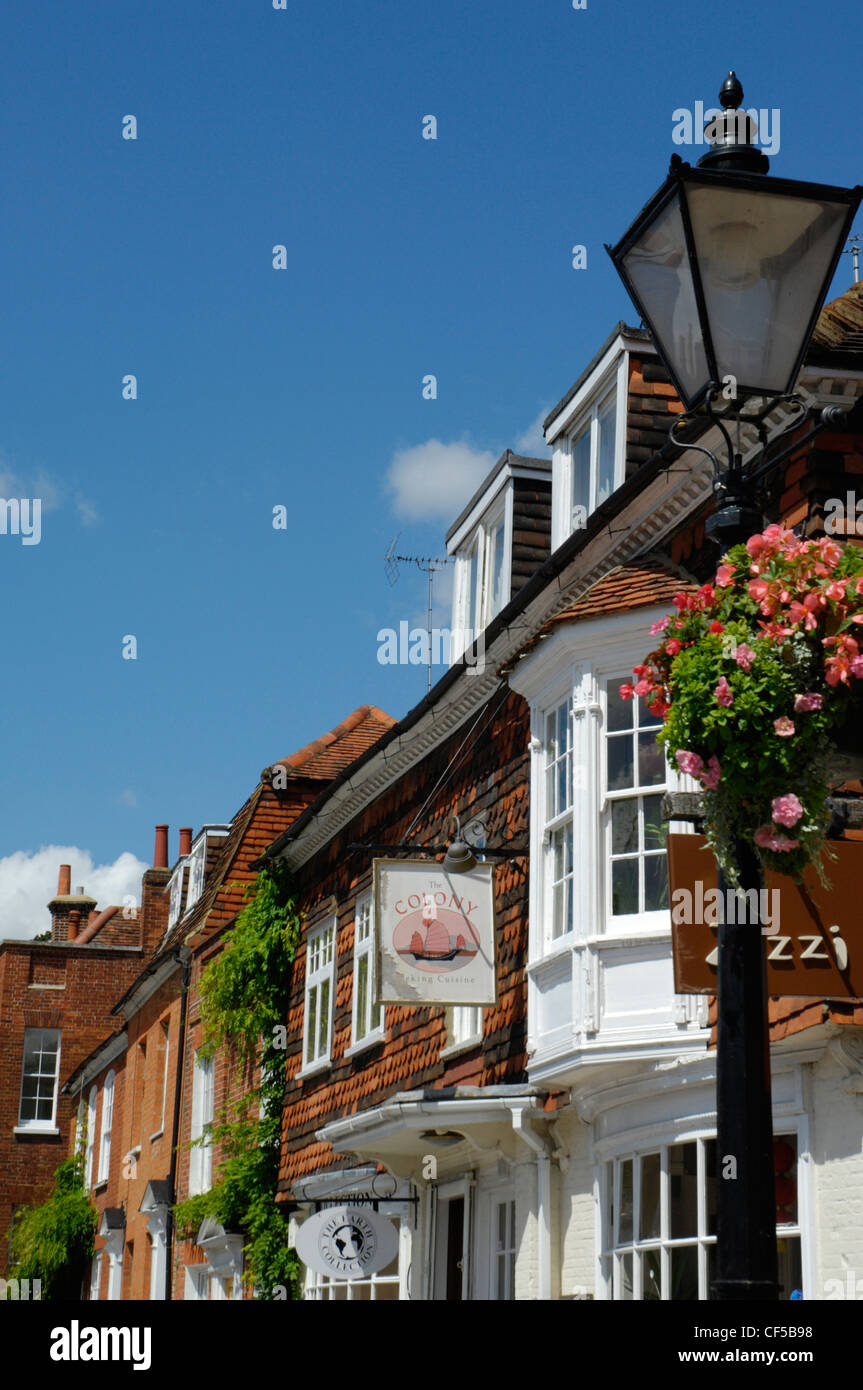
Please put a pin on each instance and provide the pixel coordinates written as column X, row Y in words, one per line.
column 79, row 891
column 74, row 919
column 160, row 854
column 64, row 881
column 185, row 840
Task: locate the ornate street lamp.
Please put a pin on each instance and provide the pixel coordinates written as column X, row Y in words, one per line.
column 729, row 270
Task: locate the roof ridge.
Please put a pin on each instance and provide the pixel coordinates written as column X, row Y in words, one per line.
column 318, row 745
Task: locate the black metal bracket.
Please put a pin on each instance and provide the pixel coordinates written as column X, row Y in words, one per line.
column 407, row 848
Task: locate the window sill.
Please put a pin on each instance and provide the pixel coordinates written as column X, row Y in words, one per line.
column 370, row 1040
column 158, row 1135
column 44, row 1131
column 46, row 986
column 316, row 1069
column 100, row 1185
column 455, row 1048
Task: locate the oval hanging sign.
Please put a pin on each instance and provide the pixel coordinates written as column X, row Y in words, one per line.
column 347, row 1242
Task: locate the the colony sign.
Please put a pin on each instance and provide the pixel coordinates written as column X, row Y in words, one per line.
column 347, row 1242
column 435, row 933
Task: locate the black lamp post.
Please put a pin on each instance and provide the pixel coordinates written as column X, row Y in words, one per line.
column 729, row 269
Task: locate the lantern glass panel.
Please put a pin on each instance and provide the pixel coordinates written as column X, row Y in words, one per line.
column 658, row 266
column 763, row 259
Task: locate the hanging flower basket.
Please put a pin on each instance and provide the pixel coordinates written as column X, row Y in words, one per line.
column 759, row 681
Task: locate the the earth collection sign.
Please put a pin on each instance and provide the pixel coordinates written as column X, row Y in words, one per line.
column 347, row 1242
column 435, row 933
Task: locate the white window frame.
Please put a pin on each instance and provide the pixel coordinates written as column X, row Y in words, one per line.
column 506, row 1252
column 611, row 376
column 363, row 1034
column 642, row 919
column 106, row 1127
column 444, row 1192
column 321, row 947
column 467, row 624
column 463, row 1023
column 613, row 1251
column 203, row 1109
column 165, row 1029
column 197, row 862
column 95, row 1276
column 35, row 1126
column 90, row 1151
column 589, row 421
column 175, row 889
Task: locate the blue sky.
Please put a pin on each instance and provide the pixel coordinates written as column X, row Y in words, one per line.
column 300, row 387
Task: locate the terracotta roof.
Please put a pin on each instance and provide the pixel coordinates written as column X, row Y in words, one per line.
column 325, row 756
column 840, row 324
column 639, row 584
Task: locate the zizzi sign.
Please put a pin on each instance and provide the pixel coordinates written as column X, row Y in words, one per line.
column 347, row 1242
column 813, row 936
column 435, row 933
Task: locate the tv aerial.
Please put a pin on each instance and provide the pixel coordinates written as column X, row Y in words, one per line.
column 429, row 565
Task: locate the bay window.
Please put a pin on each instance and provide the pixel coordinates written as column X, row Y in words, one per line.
column 635, row 781
column 659, row 1221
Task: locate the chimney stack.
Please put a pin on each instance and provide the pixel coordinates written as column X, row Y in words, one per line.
column 185, row 840
column 67, row 908
column 160, row 854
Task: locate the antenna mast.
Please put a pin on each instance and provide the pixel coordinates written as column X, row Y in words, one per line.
column 429, row 564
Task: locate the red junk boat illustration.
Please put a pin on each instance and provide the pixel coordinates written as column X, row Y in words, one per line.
column 438, row 944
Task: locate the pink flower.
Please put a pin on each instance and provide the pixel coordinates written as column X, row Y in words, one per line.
column 804, row 703
column 673, row 646
column 744, row 656
column 723, row 692
column 755, row 546
column 657, row 628
column 857, row 667
column 766, row 838
column 787, row 810
column 831, row 553
column 627, row 690
column 689, row 763
column 641, row 688
column 784, row 727
column 725, row 577
column 710, row 776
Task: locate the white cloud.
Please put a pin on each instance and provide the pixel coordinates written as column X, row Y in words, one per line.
column 531, row 442
column 127, row 797
column 28, row 882
column 432, row 481
column 46, row 487
column 87, row 514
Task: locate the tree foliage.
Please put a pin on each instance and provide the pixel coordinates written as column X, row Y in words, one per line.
column 55, row 1241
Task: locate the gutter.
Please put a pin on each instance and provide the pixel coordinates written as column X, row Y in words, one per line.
column 183, row 958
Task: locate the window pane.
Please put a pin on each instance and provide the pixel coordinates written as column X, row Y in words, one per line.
column 497, row 596
column 790, row 1267
column 624, row 826
column 581, row 471
column 605, row 478
column 311, row 1024
column 626, row 1276
column 624, row 887
column 655, row 882
column 710, row 1172
column 619, row 710
column 650, row 1210
column 684, row 1272
column 472, row 582
column 626, row 1211
column 684, row 1190
column 324, row 1018
column 785, row 1170
column 655, row 828
column 362, row 994
column 561, row 849
column 620, row 762
column 651, row 1276
column 651, row 761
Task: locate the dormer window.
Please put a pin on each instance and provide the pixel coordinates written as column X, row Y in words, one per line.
column 593, row 459
column 197, row 865
column 588, row 433
column 484, row 573
column 176, row 892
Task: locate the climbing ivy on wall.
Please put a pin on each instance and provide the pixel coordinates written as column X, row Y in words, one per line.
column 244, row 1003
column 53, row 1243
